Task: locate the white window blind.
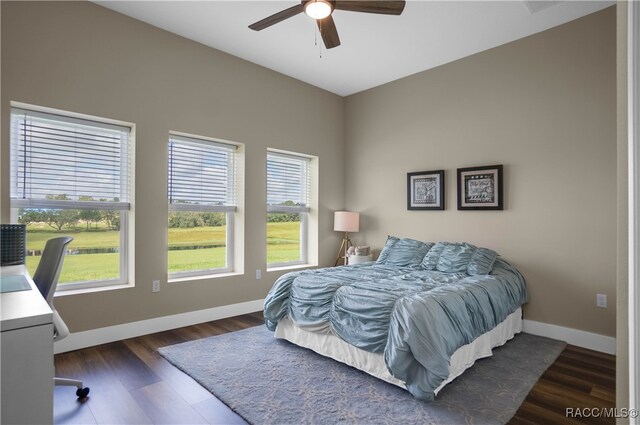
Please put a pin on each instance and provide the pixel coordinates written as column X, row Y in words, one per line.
column 201, row 175
column 60, row 162
column 287, row 183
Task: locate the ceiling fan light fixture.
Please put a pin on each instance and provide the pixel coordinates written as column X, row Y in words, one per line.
column 318, row 9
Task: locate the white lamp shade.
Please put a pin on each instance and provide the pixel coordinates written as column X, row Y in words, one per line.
column 346, row 221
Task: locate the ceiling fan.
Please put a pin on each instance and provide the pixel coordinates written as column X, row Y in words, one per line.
column 321, row 11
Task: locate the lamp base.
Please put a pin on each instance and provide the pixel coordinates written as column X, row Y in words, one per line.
column 342, row 251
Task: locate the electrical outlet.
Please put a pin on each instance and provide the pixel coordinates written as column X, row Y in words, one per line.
column 258, row 274
column 601, row 300
column 156, row 286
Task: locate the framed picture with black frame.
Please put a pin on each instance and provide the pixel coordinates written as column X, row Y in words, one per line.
column 425, row 190
column 480, row 188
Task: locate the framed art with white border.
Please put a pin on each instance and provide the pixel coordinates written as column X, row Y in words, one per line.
column 480, row 188
column 425, row 190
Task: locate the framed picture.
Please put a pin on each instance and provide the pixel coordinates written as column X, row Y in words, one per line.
column 480, row 188
column 425, row 190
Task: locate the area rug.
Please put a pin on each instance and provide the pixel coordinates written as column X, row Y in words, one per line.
column 270, row 381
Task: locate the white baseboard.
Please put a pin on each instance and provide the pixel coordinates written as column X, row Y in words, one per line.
column 597, row 342
column 78, row 340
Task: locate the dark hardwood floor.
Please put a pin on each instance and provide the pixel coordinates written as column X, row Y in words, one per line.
column 579, row 378
column 132, row 384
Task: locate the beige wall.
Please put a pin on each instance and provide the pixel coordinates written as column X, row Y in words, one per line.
column 80, row 57
column 545, row 107
column 622, row 318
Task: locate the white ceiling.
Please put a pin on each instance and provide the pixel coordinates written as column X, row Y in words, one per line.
column 375, row 49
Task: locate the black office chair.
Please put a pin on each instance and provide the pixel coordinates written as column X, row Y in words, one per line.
column 46, row 279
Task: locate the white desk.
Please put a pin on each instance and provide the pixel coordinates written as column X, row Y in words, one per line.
column 26, row 362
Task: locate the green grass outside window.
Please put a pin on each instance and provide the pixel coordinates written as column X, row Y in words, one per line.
column 283, row 245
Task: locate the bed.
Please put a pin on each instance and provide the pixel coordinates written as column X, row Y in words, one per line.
column 417, row 317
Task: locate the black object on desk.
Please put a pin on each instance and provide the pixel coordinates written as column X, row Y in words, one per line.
column 13, row 244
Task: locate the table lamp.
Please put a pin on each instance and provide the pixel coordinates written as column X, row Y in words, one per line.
column 345, row 221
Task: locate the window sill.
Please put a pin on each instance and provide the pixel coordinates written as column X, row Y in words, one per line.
column 64, row 293
column 290, row 267
column 203, row 277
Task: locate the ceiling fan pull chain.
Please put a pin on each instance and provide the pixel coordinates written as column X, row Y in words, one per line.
column 315, row 35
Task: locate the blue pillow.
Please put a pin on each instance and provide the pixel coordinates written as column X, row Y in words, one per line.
column 388, row 245
column 455, row 258
column 403, row 252
column 482, row 261
column 430, row 260
column 450, row 257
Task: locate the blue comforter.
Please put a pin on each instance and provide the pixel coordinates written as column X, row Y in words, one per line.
column 417, row 318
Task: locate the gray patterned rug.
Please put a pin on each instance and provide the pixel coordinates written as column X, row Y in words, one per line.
column 269, row 381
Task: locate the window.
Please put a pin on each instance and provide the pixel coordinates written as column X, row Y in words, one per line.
column 201, row 190
column 288, row 199
column 72, row 176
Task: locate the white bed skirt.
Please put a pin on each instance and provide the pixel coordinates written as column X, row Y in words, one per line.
column 330, row 345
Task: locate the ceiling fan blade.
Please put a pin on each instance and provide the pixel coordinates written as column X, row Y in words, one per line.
column 329, row 32
column 278, row 17
column 382, row 7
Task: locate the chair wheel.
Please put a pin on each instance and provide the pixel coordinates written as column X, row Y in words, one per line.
column 82, row 392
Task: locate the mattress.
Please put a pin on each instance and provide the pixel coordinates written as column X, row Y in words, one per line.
column 329, row 345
